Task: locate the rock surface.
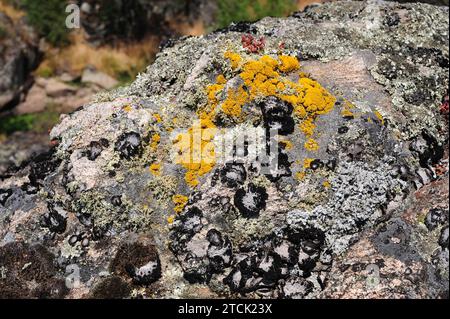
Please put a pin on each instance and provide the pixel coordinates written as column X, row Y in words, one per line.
column 351, row 200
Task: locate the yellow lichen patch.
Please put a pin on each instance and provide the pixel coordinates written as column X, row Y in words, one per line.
column 288, row 63
column 311, row 145
column 308, row 126
column 157, row 117
column 180, row 202
column 234, row 58
column 170, row 219
column 127, row 108
column 211, row 92
column 300, row 175
column 156, row 139
column 307, row 162
column 196, row 150
column 261, row 79
column 379, row 117
column 221, row 79
column 326, row 184
column 155, row 169
column 234, row 102
column 346, row 109
column 316, row 99
column 287, row 144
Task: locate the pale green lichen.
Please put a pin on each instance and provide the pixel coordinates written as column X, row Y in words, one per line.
column 163, row 188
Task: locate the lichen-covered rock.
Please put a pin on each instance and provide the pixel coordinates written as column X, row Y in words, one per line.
column 314, row 167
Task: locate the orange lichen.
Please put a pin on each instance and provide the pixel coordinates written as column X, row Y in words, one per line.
column 211, row 92
column 221, row 79
column 346, row 109
column 311, row 145
column 300, row 175
column 127, row 108
column 379, row 117
column 155, row 140
column 157, row 117
column 196, row 151
column 155, row 169
column 234, row 58
column 288, row 63
column 316, row 99
column 307, row 162
column 287, row 144
column 180, row 202
column 261, row 78
column 236, row 99
column 308, row 126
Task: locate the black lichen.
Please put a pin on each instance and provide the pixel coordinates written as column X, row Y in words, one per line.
column 435, row 217
column 233, row 174
column 277, row 115
column 129, row 145
column 53, row 220
column 250, row 201
column 4, row 195
column 138, row 262
column 42, row 166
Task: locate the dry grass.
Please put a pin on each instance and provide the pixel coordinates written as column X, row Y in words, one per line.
column 10, row 11
column 125, row 60
column 195, row 29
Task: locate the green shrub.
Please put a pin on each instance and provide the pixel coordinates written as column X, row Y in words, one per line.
column 38, row 122
column 251, row 10
column 49, row 19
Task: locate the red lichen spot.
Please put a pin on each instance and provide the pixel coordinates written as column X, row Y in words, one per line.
column 252, row 44
column 282, row 45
